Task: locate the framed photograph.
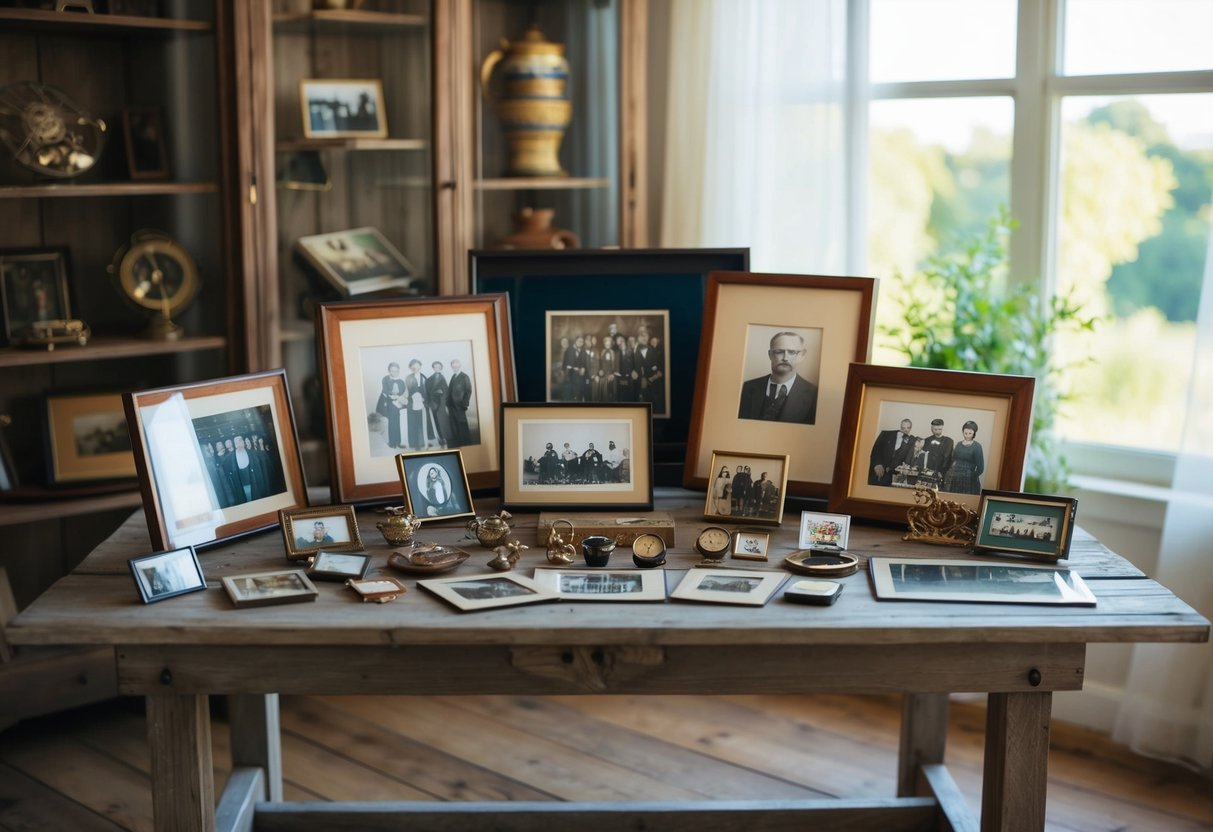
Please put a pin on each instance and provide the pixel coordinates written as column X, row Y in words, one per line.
column 413, row 375
column 604, row 584
column 576, row 456
column 303, row 170
column 33, row 288
column 8, row 469
column 905, row 426
column 349, row 108
column 306, row 531
column 729, row 586
column 435, row 485
column 821, row 529
column 146, row 149
column 377, row 590
column 165, row 574
column 484, row 592
column 750, row 545
column 1010, row 522
column 612, row 355
column 977, row 581
column 216, row 459
column 339, row 566
column 773, row 368
column 747, row 488
column 263, row 589
column 88, row 439
column 356, row 261
column 596, row 288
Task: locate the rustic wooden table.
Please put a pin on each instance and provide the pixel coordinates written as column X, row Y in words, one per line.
column 179, row 651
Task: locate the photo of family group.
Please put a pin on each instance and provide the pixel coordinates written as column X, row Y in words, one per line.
column 749, row 486
column 563, row 453
column 609, row 356
column 241, row 456
column 936, row 446
column 1022, row 526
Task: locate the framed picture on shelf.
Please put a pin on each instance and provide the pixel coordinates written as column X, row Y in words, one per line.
column 164, row 574
column 342, row 108
column 890, row 416
column 88, row 439
column 412, row 375
column 303, row 170
column 576, row 456
column 979, row 581
column 435, row 485
column 263, row 589
column 1037, row 525
column 357, row 261
column 747, row 488
column 773, row 368
column 146, row 148
column 216, row 459
column 589, row 290
column 307, row 531
column 33, row 288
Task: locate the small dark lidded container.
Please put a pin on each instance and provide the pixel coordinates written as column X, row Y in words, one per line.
column 596, row 549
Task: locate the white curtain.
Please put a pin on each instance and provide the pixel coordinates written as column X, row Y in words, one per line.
column 1167, row 708
column 755, row 139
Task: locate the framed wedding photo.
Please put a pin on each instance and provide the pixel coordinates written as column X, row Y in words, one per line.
column 216, row 459
column 88, row 439
column 348, row 108
column 1037, row 525
column 165, row 574
column 952, row 431
column 747, row 488
column 576, row 456
column 307, row 531
column 773, row 367
column 411, row 375
column 357, row 261
column 435, row 485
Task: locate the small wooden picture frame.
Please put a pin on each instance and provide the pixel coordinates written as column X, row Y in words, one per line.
column 1034, row 525
column 338, row 566
column 307, row 531
column 263, row 589
column 379, row 590
column 164, row 574
column 146, row 148
column 751, row 544
column 747, row 488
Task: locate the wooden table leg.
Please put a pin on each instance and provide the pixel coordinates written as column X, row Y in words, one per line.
column 1017, row 762
column 924, row 735
column 256, row 738
column 183, row 784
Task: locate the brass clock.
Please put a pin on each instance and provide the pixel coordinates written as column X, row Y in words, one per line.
column 157, row 274
column 713, row 543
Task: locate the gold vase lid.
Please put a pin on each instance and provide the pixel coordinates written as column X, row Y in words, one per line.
column 532, row 42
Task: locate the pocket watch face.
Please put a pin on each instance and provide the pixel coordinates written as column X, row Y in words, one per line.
column 713, row 539
column 648, row 545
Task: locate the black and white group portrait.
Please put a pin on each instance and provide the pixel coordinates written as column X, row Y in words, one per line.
column 781, row 374
column 420, row 397
column 435, row 484
column 1023, row 526
column 100, row 433
column 746, row 487
column 939, row 447
column 241, row 455
column 609, row 356
column 596, row 453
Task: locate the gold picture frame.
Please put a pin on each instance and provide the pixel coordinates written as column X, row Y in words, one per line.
column 308, row 531
column 342, row 108
column 761, row 499
column 435, row 485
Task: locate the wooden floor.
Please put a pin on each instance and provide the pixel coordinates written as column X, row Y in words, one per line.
column 88, row 769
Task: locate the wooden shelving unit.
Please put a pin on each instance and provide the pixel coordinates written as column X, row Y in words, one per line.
column 106, row 189
column 346, row 20
column 55, row 505
column 80, row 22
column 295, row 145
column 106, row 347
column 536, row 183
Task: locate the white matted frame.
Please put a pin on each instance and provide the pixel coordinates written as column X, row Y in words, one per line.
column 482, row 592
column 604, row 584
column 977, row 581
column 729, row 586
column 831, row 319
column 818, row 528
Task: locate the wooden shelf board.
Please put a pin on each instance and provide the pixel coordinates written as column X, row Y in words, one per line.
column 294, row 145
column 350, row 20
column 96, row 23
column 33, row 511
column 103, row 347
column 103, row 189
column 540, row 183
column 291, row 332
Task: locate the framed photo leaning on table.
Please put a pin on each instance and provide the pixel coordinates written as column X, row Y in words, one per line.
column 435, row 485
column 165, row 574
column 903, row 427
column 308, row 531
column 747, row 488
column 772, row 370
column 1036, row 525
column 216, row 459
column 424, row 374
column 576, row 456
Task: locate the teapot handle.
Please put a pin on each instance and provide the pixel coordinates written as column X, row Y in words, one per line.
column 486, row 68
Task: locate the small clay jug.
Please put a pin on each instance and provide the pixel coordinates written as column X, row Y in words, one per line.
column 533, row 229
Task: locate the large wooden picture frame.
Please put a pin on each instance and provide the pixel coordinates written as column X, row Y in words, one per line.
column 826, row 322
column 194, row 494
column 876, row 471
column 360, row 341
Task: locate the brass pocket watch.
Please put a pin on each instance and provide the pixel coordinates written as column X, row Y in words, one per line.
column 156, row 273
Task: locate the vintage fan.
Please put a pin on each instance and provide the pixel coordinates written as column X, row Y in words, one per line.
column 155, row 272
column 47, row 132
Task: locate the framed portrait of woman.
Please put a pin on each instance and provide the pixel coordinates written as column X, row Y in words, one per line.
column 435, row 485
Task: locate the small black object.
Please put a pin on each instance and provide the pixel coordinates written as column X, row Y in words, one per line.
column 815, row 592
column 596, row 549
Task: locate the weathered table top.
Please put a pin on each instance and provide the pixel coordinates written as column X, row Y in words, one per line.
column 98, row 603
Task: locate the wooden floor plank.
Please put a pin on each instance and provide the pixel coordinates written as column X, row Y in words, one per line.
column 29, row 806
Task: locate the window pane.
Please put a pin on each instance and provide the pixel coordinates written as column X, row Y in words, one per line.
column 938, row 170
column 939, row 40
column 1120, row 36
column 1132, row 248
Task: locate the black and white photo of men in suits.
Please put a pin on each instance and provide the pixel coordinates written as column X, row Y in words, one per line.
column 459, row 394
column 891, row 448
column 782, row 395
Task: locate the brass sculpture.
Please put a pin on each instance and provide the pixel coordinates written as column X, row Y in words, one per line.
column 507, row 555
column 560, row 551
column 944, row 522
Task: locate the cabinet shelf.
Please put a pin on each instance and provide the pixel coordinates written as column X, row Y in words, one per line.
column 104, row 347
column 103, row 189
column 47, row 504
column 50, row 21
column 294, row 145
column 347, row 21
column 541, row 183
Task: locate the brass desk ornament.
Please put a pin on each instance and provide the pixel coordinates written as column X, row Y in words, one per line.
column 943, row 522
column 400, row 526
column 560, row 551
column 507, row 555
column 491, row 530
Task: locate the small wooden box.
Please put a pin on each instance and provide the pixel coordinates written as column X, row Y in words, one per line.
column 622, row 528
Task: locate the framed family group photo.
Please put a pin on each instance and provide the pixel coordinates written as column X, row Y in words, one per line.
column 88, row 438
column 951, row 431
column 747, row 488
column 772, row 370
column 1037, row 525
column 405, row 376
column 216, row 459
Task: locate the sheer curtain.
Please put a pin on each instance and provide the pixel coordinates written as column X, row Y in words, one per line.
column 755, row 137
column 1167, row 707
